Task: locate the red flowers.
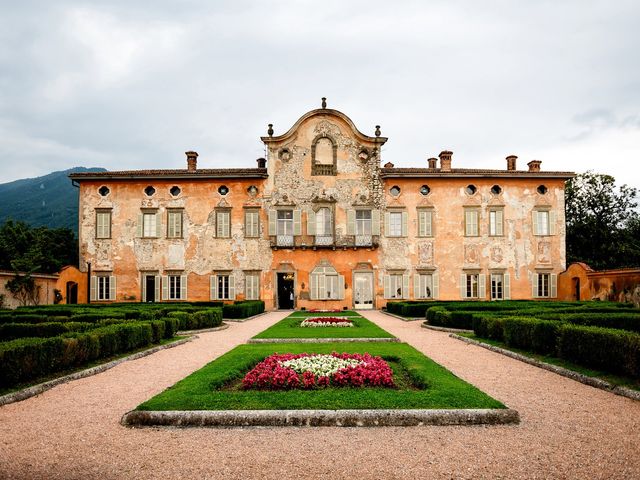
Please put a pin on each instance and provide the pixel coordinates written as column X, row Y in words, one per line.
column 363, row 370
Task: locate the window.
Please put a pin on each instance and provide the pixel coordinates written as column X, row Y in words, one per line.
column 396, row 224
column 396, row 285
column 323, row 228
column 324, row 155
column 363, row 222
column 471, row 222
column 394, row 191
column 425, row 285
column 545, row 285
column 424, row 190
column 496, row 222
column 223, row 286
column 223, row 190
column 252, row 286
column 174, row 223
column 285, row 222
column 472, row 285
column 103, row 288
column 496, row 190
column 149, row 191
column 174, row 287
column 284, row 225
column 544, row 222
column 149, row 224
column 326, row 284
column 103, row 223
column 542, row 189
column 500, row 286
column 103, row 191
column 251, row 223
column 425, row 218
column 223, row 229
column 175, row 191
column 471, row 190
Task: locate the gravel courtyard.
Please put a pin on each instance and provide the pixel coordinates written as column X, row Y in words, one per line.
column 567, row 430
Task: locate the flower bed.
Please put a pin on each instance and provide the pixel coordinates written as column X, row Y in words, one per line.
column 289, row 371
column 326, row 322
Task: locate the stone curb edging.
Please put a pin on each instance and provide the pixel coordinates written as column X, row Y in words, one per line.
column 320, row 418
column 322, row 340
column 591, row 381
column 224, row 326
column 446, row 329
column 404, row 319
column 43, row 387
column 240, row 320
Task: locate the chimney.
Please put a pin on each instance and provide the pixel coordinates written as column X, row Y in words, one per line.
column 388, row 165
column 511, row 162
column 433, row 162
column 445, row 160
column 534, row 165
column 262, row 162
column 192, row 161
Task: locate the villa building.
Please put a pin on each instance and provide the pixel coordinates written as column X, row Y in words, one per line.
column 321, row 224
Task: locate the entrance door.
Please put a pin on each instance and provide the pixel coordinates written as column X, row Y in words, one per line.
column 150, row 288
column 72, row 293
column 285, row 291
column 363, row 291
column 577, row 286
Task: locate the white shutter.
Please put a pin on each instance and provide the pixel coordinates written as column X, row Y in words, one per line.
column 482, row 285
column 144, row 288
column 422, row 223
column 158, row 225
column 165, row 287
column 387, row 286
column 506, row 287
column 351, row 222
column 311, row 222
column 536, row 228
column 534, row 286
column 417, row 287
column 297, row 228
column 474, row 219
column 313, row 286
column 112, row 287
column 273, row 215
column 463, row 286
column 212, row 287
column 435, row 291
column 94, row 285
column 499, row 222
column 375, row 222
column 552, row 223
column 341, row 287
column 405, row 285
column 157, row 283
column 553, row 280
column 183, row 287
column 405, row 221
column 467, row 223
column 387, row 221
column 232, row 286
column 139, row 231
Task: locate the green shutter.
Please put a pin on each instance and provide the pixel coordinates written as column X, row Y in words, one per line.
column 93, row 287
column 375, row 222
column 506, row 287
column 165, row 287
column 534, row 286
column 297, row 228
column 139, row 231
column 272, row 222
column 311, row 222
column 183, row 287
column 341, row 287
column 387, row 221
column 112, row 287
column 435, row 291
column 405, row 286
column 157, row 283
column 405, row 221
column 158, row 225
column 232, row 286
column 417, row 286
column 387, row 286
column 313, row 287
column 463, row 285
column 351, row 222
column 422, row 223
column 482, row 285
column 534, row 216
column 553, row 288
column 212, row 287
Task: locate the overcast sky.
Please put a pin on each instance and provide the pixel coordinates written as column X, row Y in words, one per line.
column 133, row 84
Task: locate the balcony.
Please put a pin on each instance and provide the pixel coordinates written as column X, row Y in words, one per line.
column 323, row 169
column 323, row 240
column 284, row 241
column 363, row 240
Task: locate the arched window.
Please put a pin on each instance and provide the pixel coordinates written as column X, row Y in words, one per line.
column 324, row 156
column 326, row 284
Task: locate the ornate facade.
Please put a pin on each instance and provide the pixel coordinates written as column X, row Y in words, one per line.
column 321, row 224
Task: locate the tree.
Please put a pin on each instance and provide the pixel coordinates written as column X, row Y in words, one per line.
column 24, row 289
column 601, row 222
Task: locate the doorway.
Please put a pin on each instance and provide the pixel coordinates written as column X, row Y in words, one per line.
column 285, row 291
column 72, row 293
column 363, row 291
column 577, row 289
column 149, row 294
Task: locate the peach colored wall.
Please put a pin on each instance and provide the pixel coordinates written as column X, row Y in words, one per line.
column 46, row 284
column 72, row 274
column 613, row 285
column 567, row 280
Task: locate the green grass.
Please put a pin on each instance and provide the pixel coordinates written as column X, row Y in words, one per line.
column 618, row 380
column 58, row 374
column 423, row 384
column 289, row 327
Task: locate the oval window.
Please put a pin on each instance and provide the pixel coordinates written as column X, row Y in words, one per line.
column 424, row 190
column 542, row 189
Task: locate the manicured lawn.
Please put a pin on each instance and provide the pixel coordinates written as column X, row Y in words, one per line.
column 290, row 328
column 420, row 384
column 342, row 313
column 618, row 380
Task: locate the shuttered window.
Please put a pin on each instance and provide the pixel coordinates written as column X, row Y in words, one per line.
column 251, row 223
column 102, row 287
column 174, row 223
column 223, row 287
column 326, row 284
column 103, row 223
column 473, row 285
column 252, row 286
column 471, row 218
column 425, row 219
column 149, row 224
column 395, row 224
column 426, row 285
column 223, row 228
column 496, row 220
column 544, row 222
column 544, row 285
column 500, row 286
column 396, row 286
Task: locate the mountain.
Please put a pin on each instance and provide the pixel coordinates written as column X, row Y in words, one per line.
column 50, row 200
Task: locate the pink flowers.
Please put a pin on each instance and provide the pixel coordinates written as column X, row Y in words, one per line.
column 326, row 322
column 288, row 371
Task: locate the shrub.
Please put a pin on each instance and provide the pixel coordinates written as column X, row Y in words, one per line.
column 95, row 317
column 170, row 326
column 27, row 358
column 531, row 334
column 442, row 317
column 243, row 309
column 11, row 331
column 624, row 321
column 26, row 318
column 488, row 327
column 616, row 351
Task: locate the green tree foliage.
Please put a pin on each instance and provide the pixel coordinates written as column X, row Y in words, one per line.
column 602, row 222
column 41, row 249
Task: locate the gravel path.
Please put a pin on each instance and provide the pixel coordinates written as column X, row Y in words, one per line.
column 568, row 430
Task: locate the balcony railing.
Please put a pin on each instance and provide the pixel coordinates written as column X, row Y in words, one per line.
column 284, row 240
column 364, row 240
column 323, row 169
column 324, row 239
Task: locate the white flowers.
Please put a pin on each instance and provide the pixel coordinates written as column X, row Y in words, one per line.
column 327, row 322
column 320, row 365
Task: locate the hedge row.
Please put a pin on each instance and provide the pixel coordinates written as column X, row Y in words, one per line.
column 243, row 309
column 207, row 318
column 410, row 309
column 441, row 317
column 622, row 321
column 611, row 350
column 11, row 331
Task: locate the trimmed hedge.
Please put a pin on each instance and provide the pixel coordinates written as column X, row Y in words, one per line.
column 488, row 327
column 410, row 309
column 243, row 309
column 11, row 331
column 208, row 318
column 441, row 317
column 531, row 334
column 622, row 321
column 613, row 350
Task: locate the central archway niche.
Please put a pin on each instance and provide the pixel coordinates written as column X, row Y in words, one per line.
column 324, row 155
